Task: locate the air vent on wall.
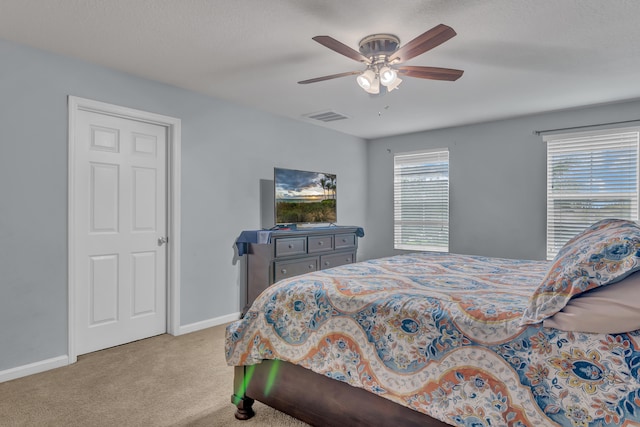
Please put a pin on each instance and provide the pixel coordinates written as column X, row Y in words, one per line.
column 326, row 116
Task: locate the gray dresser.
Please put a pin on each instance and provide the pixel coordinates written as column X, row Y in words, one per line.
column 290, row 253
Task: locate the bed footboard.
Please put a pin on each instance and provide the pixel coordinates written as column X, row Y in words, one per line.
column 317, row 399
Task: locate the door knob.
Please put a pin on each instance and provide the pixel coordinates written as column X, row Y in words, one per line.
column 162, row 240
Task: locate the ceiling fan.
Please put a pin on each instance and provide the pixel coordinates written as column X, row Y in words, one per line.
column 381, row 53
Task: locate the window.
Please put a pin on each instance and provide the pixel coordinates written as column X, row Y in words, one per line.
column 421, row 201
column 590, row 176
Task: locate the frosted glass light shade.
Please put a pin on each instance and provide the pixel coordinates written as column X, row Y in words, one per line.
column 394, row 85
column 369, row 81
column 375, row 86
column 388, row 76
column 366, row 79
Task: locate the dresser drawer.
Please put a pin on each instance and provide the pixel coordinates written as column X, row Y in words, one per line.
column 284, row 269
column 291, row 246
column 345, row 241
column 334, row 260
column 320, row 243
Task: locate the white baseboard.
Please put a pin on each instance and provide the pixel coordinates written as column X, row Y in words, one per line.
column 33, row 368
column 192, row 327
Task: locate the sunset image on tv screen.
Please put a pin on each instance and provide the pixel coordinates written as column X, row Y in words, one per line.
column 304, row 197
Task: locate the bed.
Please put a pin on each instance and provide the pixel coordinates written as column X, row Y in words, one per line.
column 438, row 339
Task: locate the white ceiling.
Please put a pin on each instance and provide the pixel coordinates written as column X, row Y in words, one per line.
column 519, row 56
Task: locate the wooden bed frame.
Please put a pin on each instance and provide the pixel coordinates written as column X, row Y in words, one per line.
column 316, row 399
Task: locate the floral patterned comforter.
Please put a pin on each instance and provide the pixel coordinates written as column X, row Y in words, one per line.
column 440, row 333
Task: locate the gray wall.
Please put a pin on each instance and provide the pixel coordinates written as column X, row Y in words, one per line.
column 226, row 151
column 497, row 181
column 497, row 187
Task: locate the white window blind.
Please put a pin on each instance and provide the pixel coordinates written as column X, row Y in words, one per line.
column 421, row 201
column 590, row 176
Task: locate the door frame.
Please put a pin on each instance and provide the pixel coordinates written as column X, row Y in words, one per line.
column 173, row 127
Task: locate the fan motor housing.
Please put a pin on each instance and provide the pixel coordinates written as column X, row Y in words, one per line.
column 379, row 44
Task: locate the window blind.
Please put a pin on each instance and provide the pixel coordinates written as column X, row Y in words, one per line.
column 421, row 201
column 590, row 176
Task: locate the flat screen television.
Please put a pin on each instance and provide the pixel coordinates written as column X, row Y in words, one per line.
column 304, row 197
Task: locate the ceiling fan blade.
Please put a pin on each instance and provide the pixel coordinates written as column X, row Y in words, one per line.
column 341, row 48
column 332, row 76
column 424, row 42
column 432, row 73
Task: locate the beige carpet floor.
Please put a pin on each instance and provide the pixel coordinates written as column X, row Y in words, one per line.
column 160, row 381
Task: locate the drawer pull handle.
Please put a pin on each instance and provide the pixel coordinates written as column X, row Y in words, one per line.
column 311, row 266
column 283, row 271
column 290, row 246
column 321, row 243
column 348, row 260
column 344, row 240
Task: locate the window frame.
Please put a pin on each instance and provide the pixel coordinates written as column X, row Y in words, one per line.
column 401, row 237
column 560, row 143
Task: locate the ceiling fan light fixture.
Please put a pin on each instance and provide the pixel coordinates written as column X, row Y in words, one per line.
column 375, row 86
column 366, row 79
column 394, row 85
column 388, row 75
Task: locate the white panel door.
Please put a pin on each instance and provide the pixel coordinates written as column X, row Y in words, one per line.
column 120, row 226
